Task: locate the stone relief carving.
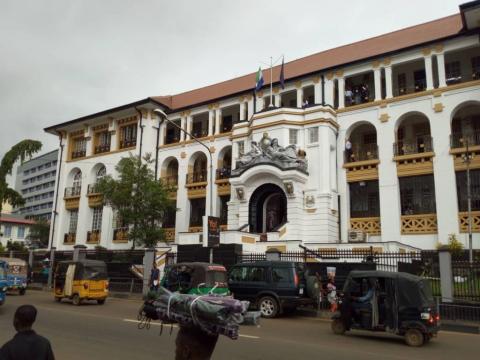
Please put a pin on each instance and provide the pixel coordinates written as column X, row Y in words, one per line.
column 268, row 151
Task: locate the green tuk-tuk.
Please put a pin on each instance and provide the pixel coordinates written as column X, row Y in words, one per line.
column 196, row 278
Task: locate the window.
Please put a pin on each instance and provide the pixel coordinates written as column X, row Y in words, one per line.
column 420, row 80
column 79, row 147
column 313, row 135
column 26, row 172
column 21, row 232
column 282, row 275
column 102, row 141
column 72, row 227
column 453, row 72
column 101, row 173
column 97, row 218
column 128, row 136
column 417, row 195
column 476, row 68
column 462, row 190
column 293, row 136
column 402, row 83
column 248, row 273
column 364, row 199
column 8, row 230
column 40, row 167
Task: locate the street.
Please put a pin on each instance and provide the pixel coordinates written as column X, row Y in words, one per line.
column 110, row 331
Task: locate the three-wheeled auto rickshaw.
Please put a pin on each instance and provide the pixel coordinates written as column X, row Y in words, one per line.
column 17, row 272
column 81, row 280
column 196, row 278
column 394, row 302
column 3, row 281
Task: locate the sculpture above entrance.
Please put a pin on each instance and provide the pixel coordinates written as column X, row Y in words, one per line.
column 268, row 152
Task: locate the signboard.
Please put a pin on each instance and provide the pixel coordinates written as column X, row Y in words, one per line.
column 213, row 231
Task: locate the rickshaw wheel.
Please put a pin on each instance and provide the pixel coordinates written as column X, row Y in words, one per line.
column 414, row 337
column 22, row 292
column 101, row 301
column 76, row 300
column 338, row 327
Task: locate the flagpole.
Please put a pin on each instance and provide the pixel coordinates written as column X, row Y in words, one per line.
column 271, row 81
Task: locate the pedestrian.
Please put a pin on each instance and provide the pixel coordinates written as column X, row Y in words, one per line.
column 332, row 294
column 349, row 151
column 154, row 278
column 26, row 344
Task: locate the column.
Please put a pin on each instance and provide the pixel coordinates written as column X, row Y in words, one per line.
column 442, row 82
column 341, row 92
column 318, row 91
column 242, row 111
column 278, row 100
column 329, row 92
column 211, row 119
column 182, row 218
column 218, row 117
column 388, row 82
column 429, row 72
column 189, row 125
column 259, row 104
column 184, row 126
column 378, row 83
column 250, row 107
column 299, row 97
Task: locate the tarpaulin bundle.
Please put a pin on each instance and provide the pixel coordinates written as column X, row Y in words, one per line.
column 215, row 315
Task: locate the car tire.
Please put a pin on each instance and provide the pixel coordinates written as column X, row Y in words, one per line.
column 101, row 301
column 76, row 300
column 22, row 291
column 268, row 307
column 414, row 337
column 338, row 327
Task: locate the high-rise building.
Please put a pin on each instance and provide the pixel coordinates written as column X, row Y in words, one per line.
column 35, row 181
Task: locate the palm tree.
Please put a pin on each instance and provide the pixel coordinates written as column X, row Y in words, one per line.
column 20, row 151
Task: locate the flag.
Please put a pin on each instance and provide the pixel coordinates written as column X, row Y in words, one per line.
column 259, row 80
column 282, row 75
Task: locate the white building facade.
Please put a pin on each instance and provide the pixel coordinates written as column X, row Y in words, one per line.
column 383, row 133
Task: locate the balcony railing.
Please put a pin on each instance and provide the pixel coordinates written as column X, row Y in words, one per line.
column 363, row 152
column 69, row 238
column 199, row 133
column 170, row 180
column 99, row 149
column 460, row 140
column 420, row 85
column 421, row 144
column 79, row 154
column 359, row 94
column 127, row 143
column 120, row 234
column 93, row 236
column 197, row 177
column 72, row 191
column 172, row 139
column 223, row 173
column 93, row 189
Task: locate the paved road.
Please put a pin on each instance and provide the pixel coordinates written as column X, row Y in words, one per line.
column 110, row 332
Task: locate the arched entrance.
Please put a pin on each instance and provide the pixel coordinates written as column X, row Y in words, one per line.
column 267, row 208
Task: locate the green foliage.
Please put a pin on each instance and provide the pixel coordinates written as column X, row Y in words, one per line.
column 16, row 246
column 139, row 200
column 20, row 151
column 39, row 234
column 454, row 245
column 2, row 248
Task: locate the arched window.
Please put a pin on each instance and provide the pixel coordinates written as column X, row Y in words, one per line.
column 77, row 180
column 101, row 172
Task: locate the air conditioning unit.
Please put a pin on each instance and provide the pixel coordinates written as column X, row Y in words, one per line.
column 355, row 236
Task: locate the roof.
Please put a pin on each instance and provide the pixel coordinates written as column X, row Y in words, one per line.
column 8, row 218
column 382, row 45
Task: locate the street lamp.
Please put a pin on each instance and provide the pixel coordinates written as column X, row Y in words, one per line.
column 467, row 159
column 208, row 210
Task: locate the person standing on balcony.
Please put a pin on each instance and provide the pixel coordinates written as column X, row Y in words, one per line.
column 348, row 149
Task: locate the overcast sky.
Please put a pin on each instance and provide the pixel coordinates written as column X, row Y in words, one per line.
column 62, row 59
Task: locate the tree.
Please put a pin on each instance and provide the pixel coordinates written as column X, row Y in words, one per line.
column 20, row 151
column 39, row 234
column 139, row 200
column 16, row 246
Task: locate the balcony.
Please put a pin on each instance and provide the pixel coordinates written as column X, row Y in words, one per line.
column 172, row 139
column 72, row 197
column 221, row 179
column 170, row 180
column 414, row 156
column 128, row 143
column 78, row 154
column 69, row 238
column 169, row 234
column 419, row 224
column 100, row 149
column 93, row 237
column 463, row 221
column 200, row 133
column 361, row 162
column 197, row 184
column 461, row 140
column 95, row 198
column 120, row 235
column 369, row 225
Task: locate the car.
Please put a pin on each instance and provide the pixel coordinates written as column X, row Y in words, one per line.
column 273, row 287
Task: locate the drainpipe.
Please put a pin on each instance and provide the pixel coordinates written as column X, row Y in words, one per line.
column 323, row 89
column 56, row 197
column 156, row 147
column 141, row 131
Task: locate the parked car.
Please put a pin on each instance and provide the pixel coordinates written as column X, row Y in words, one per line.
column 3, row 281
column 273, row 287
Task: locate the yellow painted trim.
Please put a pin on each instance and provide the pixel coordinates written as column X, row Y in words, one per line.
column 102, row 154
column 414, row 156
column 248, row 240
column 361, row 163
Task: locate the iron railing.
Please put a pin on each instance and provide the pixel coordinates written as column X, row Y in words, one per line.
column 78, row 154
column 460, row 140
column 197, row 177
column 417, row 145
column 223, row 173
column 72, row 191
column 170, row 180
column 92, row 189
column 126, row 143
column 102, row 148
column 362, row 152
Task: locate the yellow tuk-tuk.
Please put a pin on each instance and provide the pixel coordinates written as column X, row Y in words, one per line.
column 81, row 280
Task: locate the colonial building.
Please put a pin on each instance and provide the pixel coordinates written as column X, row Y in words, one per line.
column 367, row 142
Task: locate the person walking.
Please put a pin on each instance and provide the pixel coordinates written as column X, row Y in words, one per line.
column 154, row 278
column 26, row 344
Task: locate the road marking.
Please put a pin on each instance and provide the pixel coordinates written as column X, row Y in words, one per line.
column 174, row 325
